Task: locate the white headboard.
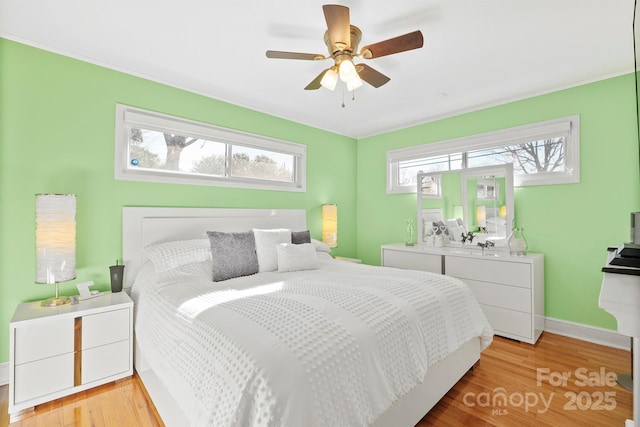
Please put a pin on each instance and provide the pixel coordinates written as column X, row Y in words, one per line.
column 145, row 226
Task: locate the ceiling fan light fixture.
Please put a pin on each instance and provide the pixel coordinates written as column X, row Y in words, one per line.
column 347, row 71
column 354, row 83
column 330, row 79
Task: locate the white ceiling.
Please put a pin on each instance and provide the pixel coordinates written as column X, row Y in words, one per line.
column 477, row 53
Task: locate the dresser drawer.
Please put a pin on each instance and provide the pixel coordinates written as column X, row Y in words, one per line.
column 105, row 328
column 487, row 270
column 39, row 340
column 105, row 361
column 504, row 296
column 42, row 377
column 509, row 322
column 412, row 260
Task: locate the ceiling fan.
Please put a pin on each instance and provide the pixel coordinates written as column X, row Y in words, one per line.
column 342, row 40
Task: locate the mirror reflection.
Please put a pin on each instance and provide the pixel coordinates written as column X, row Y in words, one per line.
column 487, row 206
column 465, row 207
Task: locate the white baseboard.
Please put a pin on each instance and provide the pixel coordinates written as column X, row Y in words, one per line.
column 4, row 373
column 588, row 333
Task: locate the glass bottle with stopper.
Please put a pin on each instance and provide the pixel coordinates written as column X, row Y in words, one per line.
column 516, row 242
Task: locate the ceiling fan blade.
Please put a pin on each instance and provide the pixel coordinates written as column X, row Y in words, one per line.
column 398, row 44
column 338, row 26
column 371, row 76
column 315, row 83
column 294, row 55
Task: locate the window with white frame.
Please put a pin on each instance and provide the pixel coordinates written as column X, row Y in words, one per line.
column 157, row 147
column 541, row 153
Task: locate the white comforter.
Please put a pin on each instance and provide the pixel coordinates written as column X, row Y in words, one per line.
column 334, row 346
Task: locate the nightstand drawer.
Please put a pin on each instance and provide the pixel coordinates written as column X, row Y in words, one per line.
column 487, row 270
column 105, row 361
column 504, row 296
column 105, row 328
column 42, row 377
column 39, row 340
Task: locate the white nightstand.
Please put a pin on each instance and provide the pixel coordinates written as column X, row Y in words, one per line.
column 54, row 352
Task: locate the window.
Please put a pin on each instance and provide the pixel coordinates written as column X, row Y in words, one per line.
column 156, row 147
column 408, row 169
column 541, row 153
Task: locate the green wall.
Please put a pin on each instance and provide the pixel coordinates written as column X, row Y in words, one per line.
column 57, row 136
column 571, row 224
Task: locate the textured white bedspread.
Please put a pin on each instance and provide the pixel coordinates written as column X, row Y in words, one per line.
column 329, row 347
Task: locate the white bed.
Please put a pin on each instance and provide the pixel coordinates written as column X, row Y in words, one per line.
column 288, row 380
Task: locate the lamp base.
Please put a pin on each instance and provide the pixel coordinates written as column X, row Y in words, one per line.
column 55, row 302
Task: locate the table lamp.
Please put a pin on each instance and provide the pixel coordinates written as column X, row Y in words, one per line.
column 330, row 225
column 55, row 242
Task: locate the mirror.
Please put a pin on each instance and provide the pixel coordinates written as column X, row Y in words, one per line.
column 477, row 200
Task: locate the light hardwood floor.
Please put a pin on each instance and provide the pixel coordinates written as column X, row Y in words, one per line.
column 519, row 372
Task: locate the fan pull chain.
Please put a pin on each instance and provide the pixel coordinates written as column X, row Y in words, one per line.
column 353, row 96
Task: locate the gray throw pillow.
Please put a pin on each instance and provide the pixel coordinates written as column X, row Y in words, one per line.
column 233, row 254
column 300, row 237
column 442, row 228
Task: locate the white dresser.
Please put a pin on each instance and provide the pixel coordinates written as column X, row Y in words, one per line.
column 509, row 289
column 55, row 352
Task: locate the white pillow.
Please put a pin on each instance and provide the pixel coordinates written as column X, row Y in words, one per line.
column 266, row 241
column 168, row 255
column 320, row 247
column 296, row 257
column 455, row 230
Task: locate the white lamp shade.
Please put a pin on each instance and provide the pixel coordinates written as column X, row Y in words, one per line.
column 330, row 225
column 481, row 216
column 347, row 71
column 330, row 79
column 55, row 238
column 354, row 83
